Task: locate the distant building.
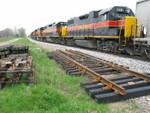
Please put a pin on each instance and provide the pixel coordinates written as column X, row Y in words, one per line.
column 143, row 14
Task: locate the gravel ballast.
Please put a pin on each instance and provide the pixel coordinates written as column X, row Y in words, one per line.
column 133, row 64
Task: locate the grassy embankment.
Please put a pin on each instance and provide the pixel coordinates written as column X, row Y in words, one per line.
column 53, row 92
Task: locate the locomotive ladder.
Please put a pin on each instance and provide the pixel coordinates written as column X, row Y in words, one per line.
column 122, row 39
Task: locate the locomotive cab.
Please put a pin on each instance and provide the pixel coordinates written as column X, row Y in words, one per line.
column 118, row 27
column 115, row 13
column 42, row 34
column 35, row 34
column 61, row 29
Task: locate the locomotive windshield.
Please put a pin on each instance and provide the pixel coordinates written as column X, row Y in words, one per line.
column 115, row 13
column 119, row 16
column 122, row 12
column 61, row 24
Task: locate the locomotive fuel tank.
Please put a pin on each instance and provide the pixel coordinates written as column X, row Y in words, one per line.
column 86, row 43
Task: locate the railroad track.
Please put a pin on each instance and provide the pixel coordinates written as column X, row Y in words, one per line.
column 110, row 82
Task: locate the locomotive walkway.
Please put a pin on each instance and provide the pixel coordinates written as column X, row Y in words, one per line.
column 111, row 82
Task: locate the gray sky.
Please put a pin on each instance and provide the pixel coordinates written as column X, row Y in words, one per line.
column 32, row 14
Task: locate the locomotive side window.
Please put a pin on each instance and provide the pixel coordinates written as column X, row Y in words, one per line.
column 111, row 16
column 121, row 15
column 84, row 16
column 96, row 14
column 104, row 17
column 70, row 21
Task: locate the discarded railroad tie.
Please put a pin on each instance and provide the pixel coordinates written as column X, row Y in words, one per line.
column 13, row 49
column 111, row 82
column 15, row 65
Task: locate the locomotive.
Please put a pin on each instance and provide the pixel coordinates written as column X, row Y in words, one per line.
column 113, row 29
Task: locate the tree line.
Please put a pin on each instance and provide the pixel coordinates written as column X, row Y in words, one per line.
column 13, row 33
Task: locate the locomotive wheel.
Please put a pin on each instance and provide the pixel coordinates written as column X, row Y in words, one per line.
column 70, row 42
column 57, row 41
column 63, row 42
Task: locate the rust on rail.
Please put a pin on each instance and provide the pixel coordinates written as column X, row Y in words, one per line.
column 131, row 72
column 90, row 72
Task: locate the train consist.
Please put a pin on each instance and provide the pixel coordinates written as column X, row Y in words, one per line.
column 113, row 29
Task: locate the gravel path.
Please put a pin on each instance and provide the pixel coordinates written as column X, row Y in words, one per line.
column 135, row 105
column 8, row 42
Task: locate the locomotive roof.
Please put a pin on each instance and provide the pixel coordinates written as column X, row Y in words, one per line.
column 109, row 9
column 42, row 28
column 105, row 10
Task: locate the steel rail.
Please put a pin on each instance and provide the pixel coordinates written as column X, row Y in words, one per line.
column 131, row 72
column 109, row 84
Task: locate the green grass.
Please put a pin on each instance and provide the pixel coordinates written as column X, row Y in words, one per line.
column 7, row 39
column 53, row 92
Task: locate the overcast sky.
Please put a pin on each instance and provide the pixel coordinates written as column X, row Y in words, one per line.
column 32, row 14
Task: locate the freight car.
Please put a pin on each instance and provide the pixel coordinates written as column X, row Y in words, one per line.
column 113, row 29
